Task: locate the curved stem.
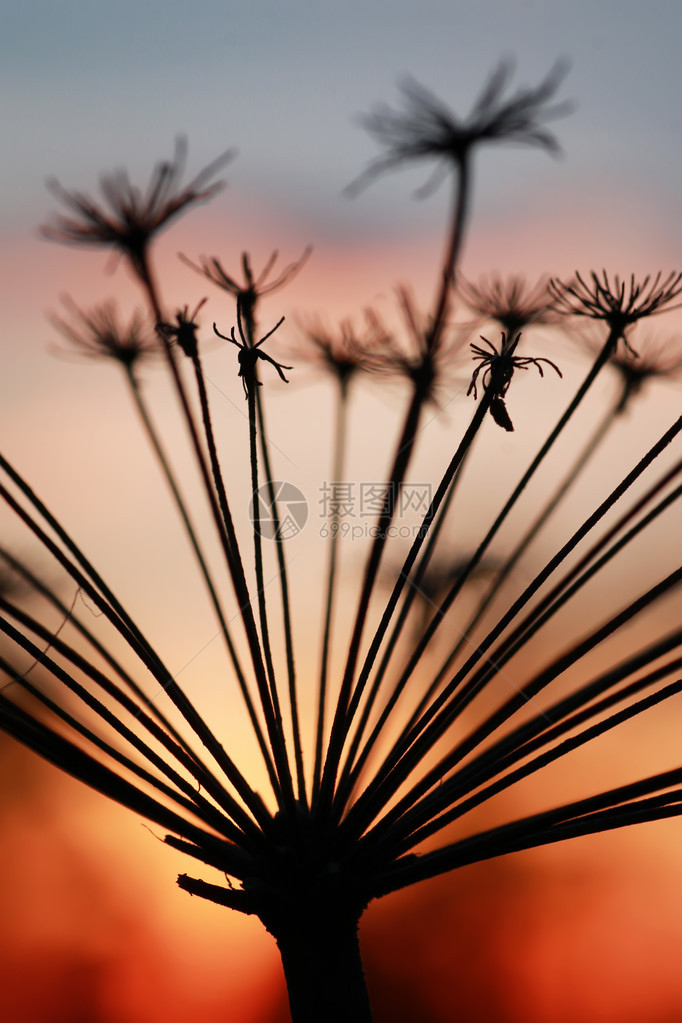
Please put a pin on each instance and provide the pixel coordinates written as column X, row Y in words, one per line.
column 454, row 247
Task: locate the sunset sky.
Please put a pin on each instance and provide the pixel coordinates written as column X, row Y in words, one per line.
column 87, row 88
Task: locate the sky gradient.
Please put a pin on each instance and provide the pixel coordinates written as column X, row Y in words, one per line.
column 87, row 88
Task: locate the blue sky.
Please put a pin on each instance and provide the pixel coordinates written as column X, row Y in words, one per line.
column 88, row 85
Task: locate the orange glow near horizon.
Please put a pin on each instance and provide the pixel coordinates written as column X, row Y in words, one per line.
column 93, row 923
column 94, row 927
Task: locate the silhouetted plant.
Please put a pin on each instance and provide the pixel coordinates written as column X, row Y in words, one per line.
column 497, row 370
column 510, row 301
column 655, row 358
column 343, row 353
column 97, row 334
column 392, row 760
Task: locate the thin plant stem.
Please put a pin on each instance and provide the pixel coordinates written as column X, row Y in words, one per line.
column 474, row 776
column 412, row 590
column 219, row 506
column 68, row 615
column 529, row 536
column 196, row 803
column 190, row 763
column 283, row 769
column 616, row 808
column 268, row 692
column 352, row 766
column 455, row 589
column 221, row 516
column 247, row 304
column 568, row 586
column 96, row 589
column 577, row 578
column 345, row 707
column 475, row 683
column 338, row 472
column 408, row 814
column 462, row 188
column 69, row 757
column 421, row 811
column 412, row 745
column 162, row 458
column 286, row 603
column 341, row 721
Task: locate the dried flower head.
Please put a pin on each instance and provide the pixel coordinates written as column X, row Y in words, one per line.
column 429, row 586
column 129, row 217
column 440, row 575
column 428, row 129
column 511, row 301
column 98, row 334
column 253, row 288
column 657, row 358
column 422, row 358
column 184, row 331
column 435, row 582
column 498, row 369
column 14, row 579
column 613, row 301
column 342, row 353
column 250, row 353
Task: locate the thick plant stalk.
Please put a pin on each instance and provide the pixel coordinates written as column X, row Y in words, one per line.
column 320, row 953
